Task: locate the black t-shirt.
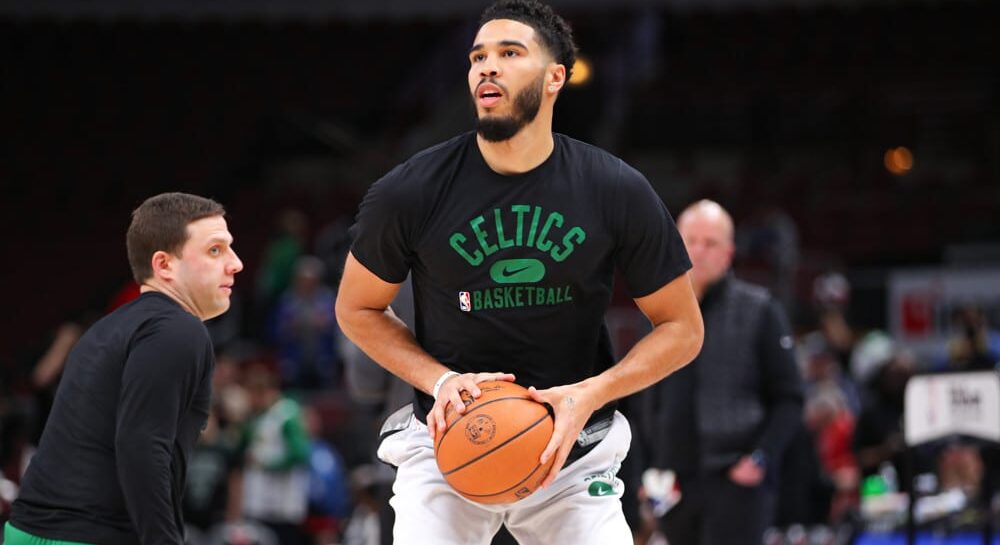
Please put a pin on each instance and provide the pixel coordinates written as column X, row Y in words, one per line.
column 514, row 273
column 133, row 399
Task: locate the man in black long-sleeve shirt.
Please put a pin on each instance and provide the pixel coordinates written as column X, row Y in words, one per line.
column 136, row 391
column 723, row 422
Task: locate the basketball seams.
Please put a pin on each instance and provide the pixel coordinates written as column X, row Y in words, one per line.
column 481, row 497
column 498, row 447
column 477, row 408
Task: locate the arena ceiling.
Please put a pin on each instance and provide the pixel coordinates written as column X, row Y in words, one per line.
column 309, row 10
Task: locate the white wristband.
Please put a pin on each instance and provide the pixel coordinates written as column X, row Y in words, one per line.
column 444, row 377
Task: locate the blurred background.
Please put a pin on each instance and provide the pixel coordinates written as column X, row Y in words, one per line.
column 856, row 143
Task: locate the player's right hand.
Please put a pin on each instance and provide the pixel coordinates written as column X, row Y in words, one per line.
column 451, row 394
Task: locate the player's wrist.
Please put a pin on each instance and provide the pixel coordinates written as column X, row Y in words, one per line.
column 596, row 389
column 440, row 382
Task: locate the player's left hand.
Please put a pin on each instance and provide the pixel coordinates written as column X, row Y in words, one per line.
column 573, row 404
column 746, row 472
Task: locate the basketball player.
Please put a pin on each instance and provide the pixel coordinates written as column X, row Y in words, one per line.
column 512, row 234
column 135, row 394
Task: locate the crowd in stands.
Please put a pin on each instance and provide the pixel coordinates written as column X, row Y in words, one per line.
column 288, row 456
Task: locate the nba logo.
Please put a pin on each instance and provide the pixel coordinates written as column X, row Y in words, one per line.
column 464, row 302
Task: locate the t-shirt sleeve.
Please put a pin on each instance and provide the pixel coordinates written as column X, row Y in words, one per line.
column 385, row 226
column 158, row 382
column 650, row 252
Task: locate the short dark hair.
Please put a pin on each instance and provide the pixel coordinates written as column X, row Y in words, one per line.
column 555, row 33
column 160, row 223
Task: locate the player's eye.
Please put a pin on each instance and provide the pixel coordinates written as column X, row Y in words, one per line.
column 510, row 53
column 478, row 57
column 215, row 250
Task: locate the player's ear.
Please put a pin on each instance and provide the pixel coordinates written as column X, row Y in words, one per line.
column 163, row 265
column 555, row 78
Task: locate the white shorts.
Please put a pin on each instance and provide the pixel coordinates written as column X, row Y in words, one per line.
column 582, row 506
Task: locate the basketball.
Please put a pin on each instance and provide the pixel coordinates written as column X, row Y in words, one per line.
column 490, row 454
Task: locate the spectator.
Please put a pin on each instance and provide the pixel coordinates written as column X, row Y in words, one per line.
column 973, row 345
column 329, row 499
column 274, row 276
column 832, row 426
column 305, row 330
column 364, row 527
column 879, row 435
column 275, row 477
column 282, row 251
column 834, row 335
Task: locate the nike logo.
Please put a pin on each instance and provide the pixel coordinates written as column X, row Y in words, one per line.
column 517, row 271
column 512, row 272
column 599, row 488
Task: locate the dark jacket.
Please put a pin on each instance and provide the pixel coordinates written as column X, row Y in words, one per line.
column 742, row 393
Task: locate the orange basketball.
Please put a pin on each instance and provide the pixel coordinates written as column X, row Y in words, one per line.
column 490, row 454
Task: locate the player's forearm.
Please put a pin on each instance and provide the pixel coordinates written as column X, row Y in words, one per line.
column 386, row 339
column 667, row 348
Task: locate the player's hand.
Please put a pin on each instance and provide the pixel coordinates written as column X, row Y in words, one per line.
column 451, row 394
column 573, row 406
column 746, row 472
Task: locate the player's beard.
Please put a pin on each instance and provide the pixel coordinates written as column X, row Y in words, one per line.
column 526, row 106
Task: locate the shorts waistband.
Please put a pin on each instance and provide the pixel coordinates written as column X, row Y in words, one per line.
column 589, row 437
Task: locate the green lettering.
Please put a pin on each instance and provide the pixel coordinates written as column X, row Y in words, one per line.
column 539, row 296
column 518, row 292
column 508, row 298
column 487, row 300
column 520, row 210
column 481, row 235
column 534, row 225
column 475, row 258
column 573, row 237
column 477, row 300
column 551, row 300
column 504, row 243
column 567, row 296
column 544, row 243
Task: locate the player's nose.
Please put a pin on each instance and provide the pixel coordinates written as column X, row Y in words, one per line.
column 489, row 68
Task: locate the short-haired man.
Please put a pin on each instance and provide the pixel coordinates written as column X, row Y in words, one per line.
column 136, row 391
column 723, row 423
